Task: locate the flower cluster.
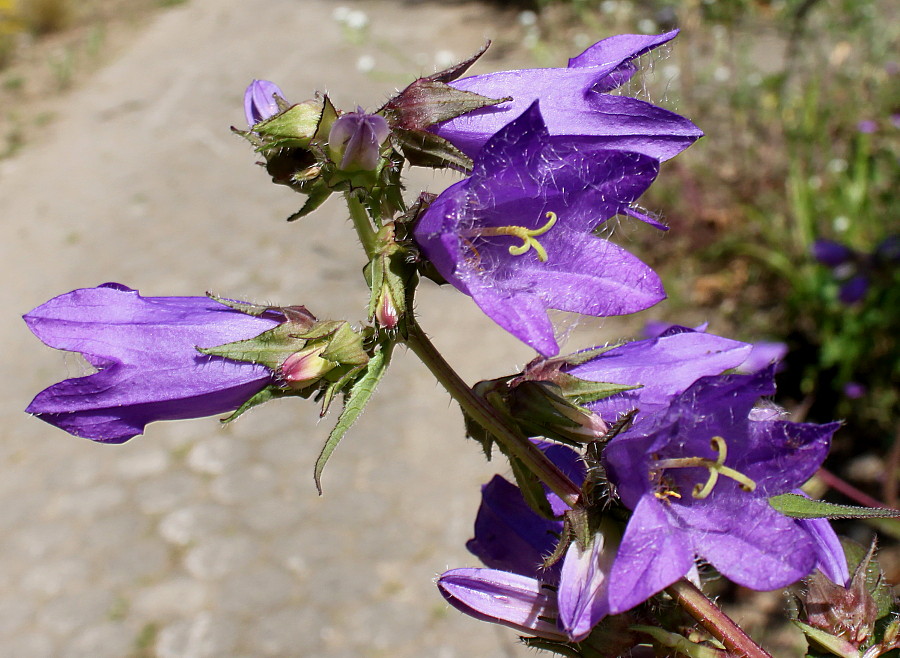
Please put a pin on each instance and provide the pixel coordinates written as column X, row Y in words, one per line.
column 656, row 455
column 696, row 469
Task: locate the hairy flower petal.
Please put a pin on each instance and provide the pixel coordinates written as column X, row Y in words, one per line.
column 575, row 104
column 145, row 350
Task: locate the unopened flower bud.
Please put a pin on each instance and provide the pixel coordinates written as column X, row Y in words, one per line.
column 305, row 367
column 259, row 101
column 356, row 139
column 386, row 313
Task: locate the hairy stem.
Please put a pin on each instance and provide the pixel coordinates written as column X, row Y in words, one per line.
column 486, row 416
column 362, row 224
column 716, row 622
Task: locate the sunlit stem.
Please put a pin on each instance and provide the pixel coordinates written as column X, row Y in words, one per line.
column 362, row 224
column 526, row 235
column 715, row 468
column 719, row 625
column 485, row 415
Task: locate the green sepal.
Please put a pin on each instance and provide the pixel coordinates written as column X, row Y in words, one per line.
column 531, row 488
column 326, row 120
column 453, row 72
column 800, row 507
column 269, row 348
column 424, row 149
column 876, row 584
column 299, row 315
column 837, row 646
column 354, row 402
column 680, row 643
column 318, row 194
column 582, row 391
column 270, row 392
column 553, row 646
column 292, row 128
column 332, row 388
column 430, row 100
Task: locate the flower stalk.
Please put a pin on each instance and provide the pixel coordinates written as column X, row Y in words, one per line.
column 362, row 224
column 485, row 415
column 716, row 622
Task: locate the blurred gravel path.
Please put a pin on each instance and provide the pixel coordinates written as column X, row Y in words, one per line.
column 192, row 540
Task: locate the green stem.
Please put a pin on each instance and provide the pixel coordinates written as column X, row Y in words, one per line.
column 716, row 622
column 362, row 224
column 486, row 416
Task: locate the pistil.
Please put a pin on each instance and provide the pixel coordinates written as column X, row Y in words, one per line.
column 526, row 235
column 716, row 467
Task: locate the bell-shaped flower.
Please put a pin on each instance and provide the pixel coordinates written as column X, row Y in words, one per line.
column 259, row 101
column 145, row 353
column 576, row 104
column 698, row 476
column 563, row 601
column 662, row 367
column 517, row 235
column 355, row 140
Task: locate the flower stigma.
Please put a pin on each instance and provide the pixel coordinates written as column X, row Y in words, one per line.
column 716, row 467
column 526, row 235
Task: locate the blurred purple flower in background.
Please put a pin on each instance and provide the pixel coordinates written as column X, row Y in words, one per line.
column 145, row 351
column 855, row 270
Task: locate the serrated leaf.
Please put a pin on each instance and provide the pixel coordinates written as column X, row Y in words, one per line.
column 356, row 399
column 317, row 195
column 800, row 507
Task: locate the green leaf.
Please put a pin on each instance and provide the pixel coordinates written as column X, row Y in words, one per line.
column 354, row 403
column 800, row 507
column 836, row 645
column 680, row 643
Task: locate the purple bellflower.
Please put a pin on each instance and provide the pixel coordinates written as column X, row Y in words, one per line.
column 663, row 366
column 561, row 602
column 259, row 101
column 576, row 104
column 356, row 138
column 144, row 349
column 698, row 476
column 517, row 234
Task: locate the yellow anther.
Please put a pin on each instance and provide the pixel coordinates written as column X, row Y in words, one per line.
column 716, row 468
column 526, row 235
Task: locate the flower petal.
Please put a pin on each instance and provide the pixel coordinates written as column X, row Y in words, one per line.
column 583, row 584
column 509, row 535
column 653, row 555
column 503, row 598
column 150, row 369
column 747, row 541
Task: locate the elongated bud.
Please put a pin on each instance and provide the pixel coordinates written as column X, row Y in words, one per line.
column 305, row 367
column 386, row 313
column 260, row 102
column 356, row 138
